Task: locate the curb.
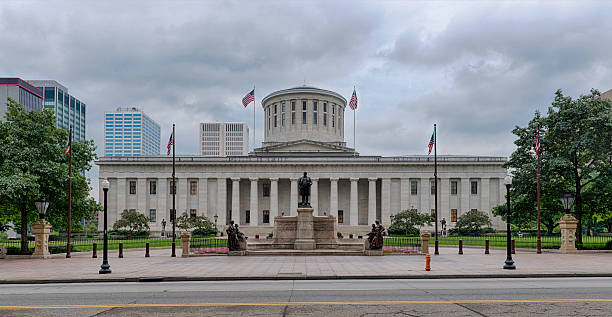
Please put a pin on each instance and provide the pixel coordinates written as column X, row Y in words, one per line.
column 145, row 279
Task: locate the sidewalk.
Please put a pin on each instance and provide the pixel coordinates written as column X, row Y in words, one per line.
column 134, row 266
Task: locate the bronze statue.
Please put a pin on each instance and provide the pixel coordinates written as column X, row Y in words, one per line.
column 304, row 184
column 375, row 237
column 163, row 223
column 234, row 237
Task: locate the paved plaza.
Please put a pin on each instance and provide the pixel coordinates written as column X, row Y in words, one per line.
column 474, row 263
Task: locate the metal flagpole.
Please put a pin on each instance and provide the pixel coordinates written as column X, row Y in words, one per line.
column 69, row 193
column 539, row 245
column 436, row 186
column 354, row 134
column 254, row 105
column 173, row 212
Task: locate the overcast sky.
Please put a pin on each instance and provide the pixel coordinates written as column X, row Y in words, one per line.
column 476, row 69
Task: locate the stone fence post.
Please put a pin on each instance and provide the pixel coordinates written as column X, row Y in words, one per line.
column 41, row 230
column 568, row 225
column 425, row 236
column 185, row 237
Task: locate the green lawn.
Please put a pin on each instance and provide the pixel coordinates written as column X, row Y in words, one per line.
column 548, row 242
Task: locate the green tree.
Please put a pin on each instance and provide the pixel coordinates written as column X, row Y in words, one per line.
column 407, row 221
column 471, row 222
column 133, row 221
column 200, row 225
column 580, row 143
column 33, row 164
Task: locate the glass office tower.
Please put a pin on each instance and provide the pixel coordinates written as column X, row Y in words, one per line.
column 69, row 111
column 21, row 91
column 130, row 132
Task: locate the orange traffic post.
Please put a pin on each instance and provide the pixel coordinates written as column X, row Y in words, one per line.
column 428, row 262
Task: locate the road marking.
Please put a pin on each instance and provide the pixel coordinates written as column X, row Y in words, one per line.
column 397, row 302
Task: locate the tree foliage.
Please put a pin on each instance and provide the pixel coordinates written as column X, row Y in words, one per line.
column 472, row 222
column 200, row 225
column 133, row 221
column 33, row 164
column 409, row 222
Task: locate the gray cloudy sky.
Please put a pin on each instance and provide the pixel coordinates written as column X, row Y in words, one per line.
column 474, row 68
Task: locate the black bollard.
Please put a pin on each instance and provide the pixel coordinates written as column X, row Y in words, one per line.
column 120, row 250
column 147, row 250
column 460, row 246
column 95, row 251
column 513, row 250
column 487, row 246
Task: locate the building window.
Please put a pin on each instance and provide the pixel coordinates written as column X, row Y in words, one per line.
column 453, row 185
column 266, row 216
column 266, row 190
column 283, row 115
column 247, row 216
column 433, row 212
column 433, row 187
column 152, row 187
column 275, row 115
column 474, row 187
column 333, row 118
column 414, row 188
column 314, row 112
column 192, row 213
column 325, row 113
column 172, row 188
column 304, row 112
column 152, row 215
column 268, row 119
column 340, row 216
column 453, row 215
column 293, row 112
column 193, row 187
column 132, row 187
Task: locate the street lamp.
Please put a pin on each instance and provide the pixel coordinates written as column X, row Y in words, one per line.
column 392, row 217
column 509, row 264
column 105, row 267
column 216, row 229
column 567, row 199
column 42, row 205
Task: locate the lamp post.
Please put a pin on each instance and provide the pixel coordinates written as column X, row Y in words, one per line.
column 567, row 199
column 217, row 229
column 509, row 264
column 105, row 267
column 42, row 205
column 392, row 217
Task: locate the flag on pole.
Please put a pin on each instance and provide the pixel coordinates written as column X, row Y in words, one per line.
column 353, row 103
column 536, row 143
column 170, row 142
column 69, row 145
column 431, row 143
column 248, row 98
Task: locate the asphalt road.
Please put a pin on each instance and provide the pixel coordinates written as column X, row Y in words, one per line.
column 448, row 297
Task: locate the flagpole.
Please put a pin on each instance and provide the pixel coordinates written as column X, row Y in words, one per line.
column 173, row 212
column 539, row 245
column 254, row 105
column 69, row 193
column 436, row 186
column 354, row 134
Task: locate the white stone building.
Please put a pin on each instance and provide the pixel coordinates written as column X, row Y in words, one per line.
column 304, row 131
column 224, row 139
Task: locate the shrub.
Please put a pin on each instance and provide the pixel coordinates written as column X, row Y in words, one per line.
column 472, row 223
column 199, row 225
column 270, row 235
column 408, row 222
column 135, row 222
column 339, row 234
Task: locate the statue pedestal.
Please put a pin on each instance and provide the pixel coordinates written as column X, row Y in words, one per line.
column 41, row 230
column 305, row 230
column 568, row 225
column 185, row 238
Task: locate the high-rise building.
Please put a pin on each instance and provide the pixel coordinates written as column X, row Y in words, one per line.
column 224, row 139
column 130, row 132
column 68, row 110
column 21, row 91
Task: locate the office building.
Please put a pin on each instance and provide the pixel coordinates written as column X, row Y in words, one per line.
column 130, row 132
column 21, row 91
column 69, row 111
column 224, row 139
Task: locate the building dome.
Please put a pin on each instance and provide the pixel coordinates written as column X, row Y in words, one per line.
column 304, row 113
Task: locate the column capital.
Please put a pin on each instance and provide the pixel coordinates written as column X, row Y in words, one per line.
column 372, row 179
column 235, row 179
column 253, row 179
column 354, row 179
column 293, row 179
column 274, row 179
column 314, row 179
column 334, row 179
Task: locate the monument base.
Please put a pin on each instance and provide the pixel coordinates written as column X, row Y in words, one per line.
column 304, row 244
column 373, row 252
column 236, row 253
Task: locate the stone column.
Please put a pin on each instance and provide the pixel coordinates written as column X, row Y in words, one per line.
column 273, row 199
column 121, row 201
column 293, row 200
column 182, row 190
column 222, row 203
column 465, row 196
column 425, row 236
column 425, row 195
column 236, row 199
column 162, row 202
column 372, row 200
column 203, row 198
column 314, row 195
column 404, row 194
column 568, row 225
column 333, row 198
column 141, row 196
column 41, row 230
column 385, row 210
column 353, row 204
column 485, row 205
column 185, row 238
column 254, row 202
column 443, row 201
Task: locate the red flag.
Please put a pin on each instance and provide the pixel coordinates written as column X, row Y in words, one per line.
column 248, row 98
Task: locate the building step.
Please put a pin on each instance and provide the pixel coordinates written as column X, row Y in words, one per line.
column 292, row 252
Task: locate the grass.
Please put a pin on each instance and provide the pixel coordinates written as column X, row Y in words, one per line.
column 528, row 242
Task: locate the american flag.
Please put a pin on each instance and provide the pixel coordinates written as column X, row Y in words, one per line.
column 69, row 144
column 431, row 143
column 536, row 143
column 170, row 142
column 248, row 98
column 353, row 103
